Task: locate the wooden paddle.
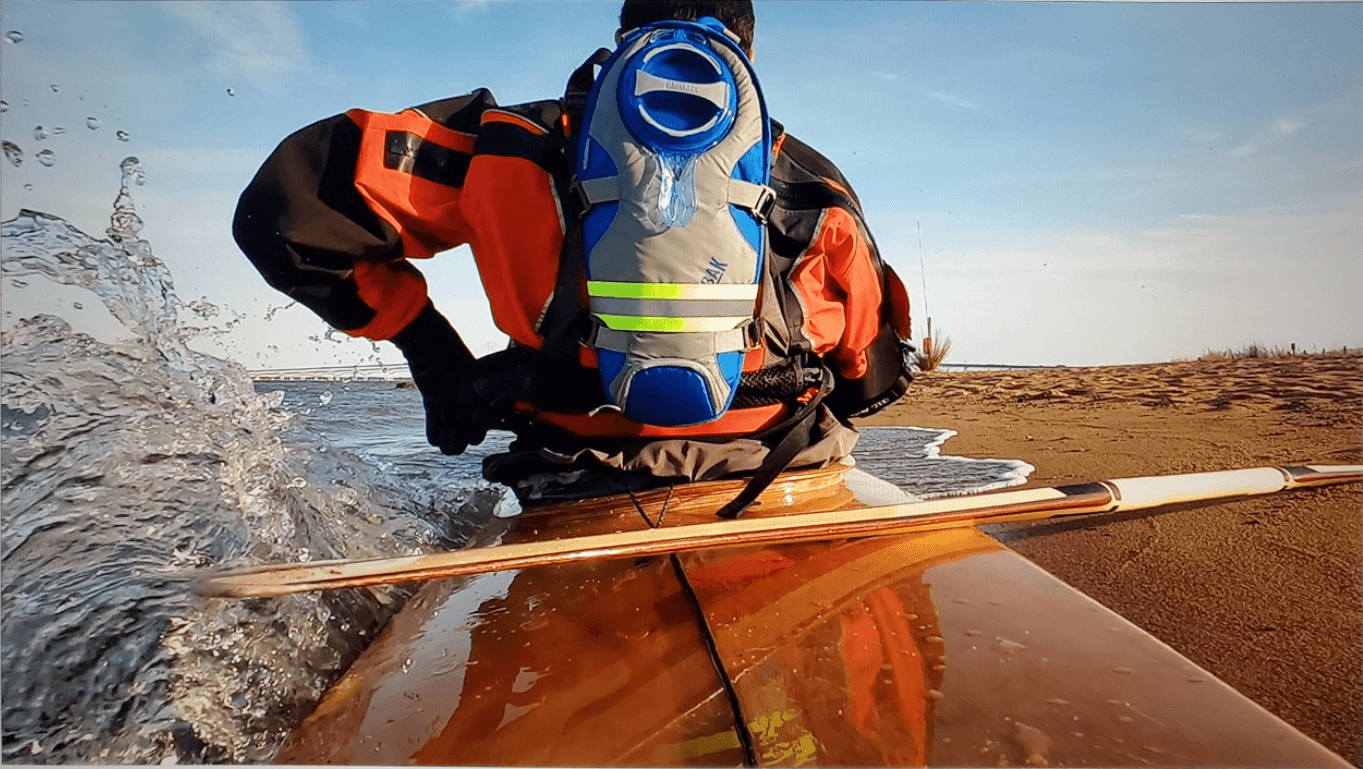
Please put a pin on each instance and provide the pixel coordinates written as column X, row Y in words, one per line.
column 1119, row 495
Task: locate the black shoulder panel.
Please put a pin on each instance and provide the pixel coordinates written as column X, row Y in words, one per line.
column 460, row 113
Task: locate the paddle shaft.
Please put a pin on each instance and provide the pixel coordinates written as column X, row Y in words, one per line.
column 1118, row 495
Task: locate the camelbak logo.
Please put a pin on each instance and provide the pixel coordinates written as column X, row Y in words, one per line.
column 714, row 271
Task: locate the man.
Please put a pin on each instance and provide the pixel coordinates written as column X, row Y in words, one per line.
column 337, row 212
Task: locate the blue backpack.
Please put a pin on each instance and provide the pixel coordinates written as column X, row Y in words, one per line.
column 671, row 173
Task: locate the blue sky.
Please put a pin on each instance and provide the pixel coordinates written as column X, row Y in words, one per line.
column 1095, row 183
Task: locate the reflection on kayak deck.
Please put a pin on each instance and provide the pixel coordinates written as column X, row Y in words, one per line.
column 533, row 667
column 941, row 648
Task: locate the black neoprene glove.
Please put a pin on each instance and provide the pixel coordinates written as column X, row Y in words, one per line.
column 442, row 369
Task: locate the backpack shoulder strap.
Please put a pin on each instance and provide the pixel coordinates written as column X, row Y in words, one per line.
column 564, row 322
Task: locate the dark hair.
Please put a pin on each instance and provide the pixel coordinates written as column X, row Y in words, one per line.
column 736, row 15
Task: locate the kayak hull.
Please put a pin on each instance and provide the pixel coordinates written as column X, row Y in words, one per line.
column 939, row 648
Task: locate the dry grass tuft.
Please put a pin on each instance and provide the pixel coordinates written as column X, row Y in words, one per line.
column 935, row 350
column 1257, row 350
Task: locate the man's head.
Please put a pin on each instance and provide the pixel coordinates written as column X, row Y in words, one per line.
column 736, row 15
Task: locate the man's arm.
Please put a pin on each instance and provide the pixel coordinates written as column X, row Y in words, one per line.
column 335, row 213
column 340, row 206
column 855, row 309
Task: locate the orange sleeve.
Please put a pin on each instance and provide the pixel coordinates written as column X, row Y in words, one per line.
column 410, row 172
column 516, row 224
column 841, row 291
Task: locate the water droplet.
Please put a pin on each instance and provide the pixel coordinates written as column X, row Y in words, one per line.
column 1123, row 671
column 325, row 397
column 934, row 639
column 78, row 305
column 40, row 132
column 132, row 169
column 933, row 694
column 28, row 188
column 122, row 135
column 13, row 154
column 1125, row 720
column 92, row 123
column 1196, row 680
column 974, row 632
column 1057, row 701
column 4, row 106
column 18, row 283
column 1113, row 703
column 1010, row 647
column 231, row 92
column 54, row 88
column 14, row 36
column 47, row 157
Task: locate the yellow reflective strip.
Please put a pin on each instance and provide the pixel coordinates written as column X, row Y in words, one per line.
column 626, row 290
column 678, row 325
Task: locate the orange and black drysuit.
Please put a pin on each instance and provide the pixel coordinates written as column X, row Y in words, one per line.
column 338, row 212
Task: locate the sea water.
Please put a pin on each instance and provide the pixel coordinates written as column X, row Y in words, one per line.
column 130, row 466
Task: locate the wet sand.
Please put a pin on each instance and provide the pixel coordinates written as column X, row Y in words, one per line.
column 1267, row 593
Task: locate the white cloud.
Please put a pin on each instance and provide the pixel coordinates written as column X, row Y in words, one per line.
column 957, row 101
column 1194, row 134
column 1276, row 132
column 1286, row 126
column 256, row 42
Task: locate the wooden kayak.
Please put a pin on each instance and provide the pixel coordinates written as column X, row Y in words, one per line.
column 935, row 648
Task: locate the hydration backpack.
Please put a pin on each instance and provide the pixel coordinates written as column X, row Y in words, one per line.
column 671, row 175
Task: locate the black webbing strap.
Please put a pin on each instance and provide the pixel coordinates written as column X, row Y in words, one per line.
column 794, row 440
column 563, row 324
column 580, row 86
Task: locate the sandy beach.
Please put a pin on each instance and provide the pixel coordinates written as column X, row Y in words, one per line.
column 1266, row 593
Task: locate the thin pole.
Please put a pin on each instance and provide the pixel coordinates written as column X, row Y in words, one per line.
column 923, row 271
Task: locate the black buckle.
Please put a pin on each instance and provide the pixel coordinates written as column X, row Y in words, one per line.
column 765, row 204
column 579, row 198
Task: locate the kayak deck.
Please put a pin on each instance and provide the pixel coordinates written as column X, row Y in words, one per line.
column 939, row 648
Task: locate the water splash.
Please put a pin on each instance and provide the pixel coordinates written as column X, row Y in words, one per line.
column 93, row 123
column 40, row 133
column 126, row 466
column 123, row 135
column 14, row 36
column 47, row 157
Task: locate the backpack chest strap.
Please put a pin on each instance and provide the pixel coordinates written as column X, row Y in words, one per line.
column 685, row 345
column 757, row 198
